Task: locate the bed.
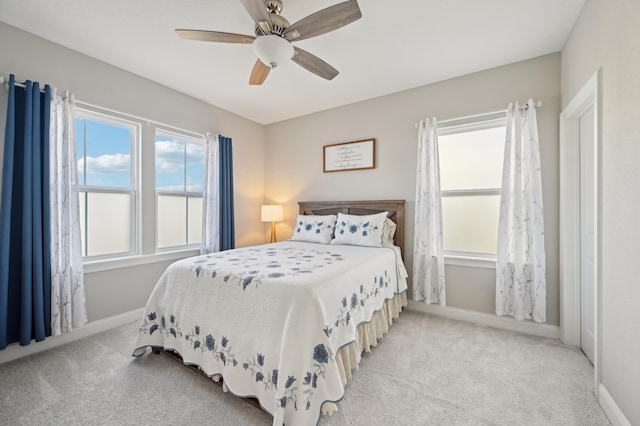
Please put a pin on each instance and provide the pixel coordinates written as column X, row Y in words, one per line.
column 286, row 322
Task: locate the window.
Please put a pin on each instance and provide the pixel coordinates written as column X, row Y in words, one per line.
column 179, row 179
column 471, row 157
column 123, row 223
column 107, row 178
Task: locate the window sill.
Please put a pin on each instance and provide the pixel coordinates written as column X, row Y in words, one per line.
column 470, row 261
column 125, row 262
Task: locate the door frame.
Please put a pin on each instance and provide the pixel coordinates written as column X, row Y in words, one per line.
column 588, row 96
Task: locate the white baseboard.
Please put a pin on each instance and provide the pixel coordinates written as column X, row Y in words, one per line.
column 15, row 351
column 610, row 408
column 506, row 323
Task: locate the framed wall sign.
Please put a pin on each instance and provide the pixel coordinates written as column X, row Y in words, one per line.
column 355, row 155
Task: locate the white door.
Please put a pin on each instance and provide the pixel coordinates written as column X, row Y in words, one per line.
column 587, row 232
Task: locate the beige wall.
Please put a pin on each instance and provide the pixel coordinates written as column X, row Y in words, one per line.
column 293, row 166
column 607, row 37
column 29, row 57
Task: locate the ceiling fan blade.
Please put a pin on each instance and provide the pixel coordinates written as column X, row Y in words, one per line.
column 259, row 73
column 314, row 64
column 329, row 19
column 216, row 36
column 258, row 11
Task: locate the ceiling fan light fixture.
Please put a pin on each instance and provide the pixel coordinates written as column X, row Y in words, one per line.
column 273, row 50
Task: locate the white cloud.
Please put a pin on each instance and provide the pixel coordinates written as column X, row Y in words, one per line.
column 106, row 164
column 170, row 155
column 195, row 154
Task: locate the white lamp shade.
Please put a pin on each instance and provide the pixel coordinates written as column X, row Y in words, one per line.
column 271, row 213
column 273, row 50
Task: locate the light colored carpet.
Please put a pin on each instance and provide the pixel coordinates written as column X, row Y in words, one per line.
column 427, row 371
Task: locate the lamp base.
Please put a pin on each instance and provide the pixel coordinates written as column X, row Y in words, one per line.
column 273, row 232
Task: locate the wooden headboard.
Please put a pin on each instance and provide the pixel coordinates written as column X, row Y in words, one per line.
column 394, row 207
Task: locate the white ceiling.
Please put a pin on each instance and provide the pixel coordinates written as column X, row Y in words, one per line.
column 396, row 45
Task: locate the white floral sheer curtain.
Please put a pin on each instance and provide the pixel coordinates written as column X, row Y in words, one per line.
column 520, row 266
column 428, row 254
column 210, row 241
column 68, row 305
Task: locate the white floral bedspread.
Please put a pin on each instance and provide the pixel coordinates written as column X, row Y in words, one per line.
column 271, row 318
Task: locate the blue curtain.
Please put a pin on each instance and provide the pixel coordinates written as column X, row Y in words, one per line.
column 25, row 267
column 227, row 223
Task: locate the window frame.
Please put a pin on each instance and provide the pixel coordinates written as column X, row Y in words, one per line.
column 187, row 138
column 455, row 126
column 135, row 128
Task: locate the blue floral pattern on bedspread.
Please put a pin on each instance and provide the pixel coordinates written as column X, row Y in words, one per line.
column 270, row 319
column 356, row 301
column 221, row 352
column 252, row 265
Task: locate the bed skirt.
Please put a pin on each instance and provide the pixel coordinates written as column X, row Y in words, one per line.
column 367, row 335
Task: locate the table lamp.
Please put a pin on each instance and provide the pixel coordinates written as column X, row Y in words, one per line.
column 272, row 213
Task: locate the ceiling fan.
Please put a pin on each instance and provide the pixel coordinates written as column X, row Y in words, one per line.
column 274, row 35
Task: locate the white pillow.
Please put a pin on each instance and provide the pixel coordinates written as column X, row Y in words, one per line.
column 388, row 232
column 360, row 230
column 314, row 229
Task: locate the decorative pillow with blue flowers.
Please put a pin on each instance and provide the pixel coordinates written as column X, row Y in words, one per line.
column 360, row 230
column 314, row 229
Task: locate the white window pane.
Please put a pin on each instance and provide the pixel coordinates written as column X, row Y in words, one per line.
column 472, row 160
column 195, row 220
column 109, row 223
column 172, row 221
column 179, row 170
column 470, row 223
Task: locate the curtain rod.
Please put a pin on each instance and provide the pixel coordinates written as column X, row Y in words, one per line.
column 537, row 104
column 4, row 81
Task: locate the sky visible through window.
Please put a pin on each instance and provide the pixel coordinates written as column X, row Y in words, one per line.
column 179, row 165
column 107, row 160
